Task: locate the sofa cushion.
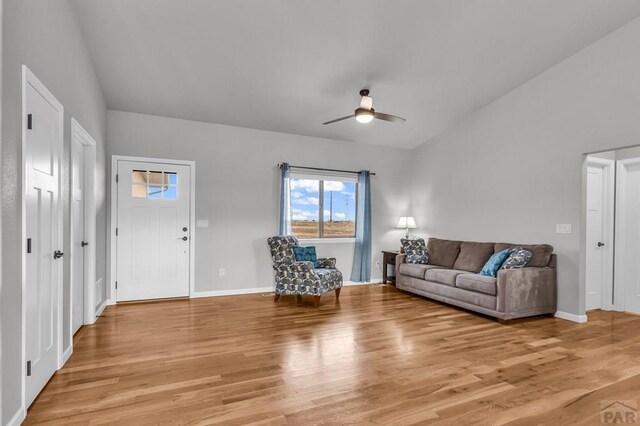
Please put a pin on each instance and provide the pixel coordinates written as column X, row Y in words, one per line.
column 443, row 276
column 477, row 282
column 473, row 256
column 415, row 250
column 541, row 253
column 518, row 258
column 443, row 252
column 416, row 270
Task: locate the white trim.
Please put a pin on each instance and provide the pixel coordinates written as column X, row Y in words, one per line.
column 68, row 352
column 571, row 317
column 29, row 78
column 81, row 136
column 18, row 418
column 233, row 292
column 111, row 296
column 327, row 240
column 100, row 309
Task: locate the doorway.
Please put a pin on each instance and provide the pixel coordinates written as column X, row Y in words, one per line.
column 153, row 236
column 599, row 232
column 83, row 228
column 42, row 139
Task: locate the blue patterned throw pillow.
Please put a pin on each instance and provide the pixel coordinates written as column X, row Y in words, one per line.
column 307, row 254
column 416, row 251
column 494, row 263
column 518, row 258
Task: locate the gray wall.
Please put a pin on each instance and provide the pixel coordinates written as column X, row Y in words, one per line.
column 45, row 36
column 513, row 169
column 237, row 189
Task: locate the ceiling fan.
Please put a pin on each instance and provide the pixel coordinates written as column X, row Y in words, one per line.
column 365, row 113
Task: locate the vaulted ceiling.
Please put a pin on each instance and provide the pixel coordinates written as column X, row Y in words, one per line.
column 288, row 66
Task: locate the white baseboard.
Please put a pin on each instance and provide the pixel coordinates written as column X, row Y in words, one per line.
column 18, row 418
column 66, row 355
column 100, row 309
column 571, row 317
column 350, row 283
column 233, row 292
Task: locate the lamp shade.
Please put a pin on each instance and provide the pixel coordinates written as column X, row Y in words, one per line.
column 407, row 222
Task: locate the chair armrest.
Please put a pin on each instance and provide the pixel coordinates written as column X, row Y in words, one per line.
column 327, row 262
column 295, row 267
column 527, row 290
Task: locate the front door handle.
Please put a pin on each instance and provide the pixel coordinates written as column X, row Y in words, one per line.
column 84, row 243
column 57, row 254
column 600, row 244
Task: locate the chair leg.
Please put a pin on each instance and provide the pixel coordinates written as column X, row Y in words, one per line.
column 338, row 292
column 316, row 301
column 298, row 298
column 276, row 297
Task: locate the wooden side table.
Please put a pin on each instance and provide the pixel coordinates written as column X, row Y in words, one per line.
column 388, row 258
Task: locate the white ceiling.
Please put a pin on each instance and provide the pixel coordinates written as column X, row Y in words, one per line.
column 287, row 66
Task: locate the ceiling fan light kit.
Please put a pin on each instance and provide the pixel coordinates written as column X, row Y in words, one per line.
column 365, row 113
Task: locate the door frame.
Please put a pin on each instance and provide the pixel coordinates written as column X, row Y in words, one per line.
column 113, row 249
column 621, row 228
column 81, row 136
column 608, row 228
column 29, row 78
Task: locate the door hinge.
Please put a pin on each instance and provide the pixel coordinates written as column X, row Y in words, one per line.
column 28, row 245
column 29, row 121
column 116, row 178
column 116, row 232
column 116, row 285
column 28, row 368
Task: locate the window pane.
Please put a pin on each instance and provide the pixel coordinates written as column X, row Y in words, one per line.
column 157, row 178
column 155, row 192
column 305, row 202
column 171, row 193
column 172, row 178
column 139, row 191
column 339, row 209
column 139, row 176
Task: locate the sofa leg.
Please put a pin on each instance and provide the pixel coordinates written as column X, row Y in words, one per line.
column 276, row 297
column 316, row 301
column 504, row 321
column 298, row 298
column 338, row 292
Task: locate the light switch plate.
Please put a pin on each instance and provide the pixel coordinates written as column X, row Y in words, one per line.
column 563, row 228
column 202, row 223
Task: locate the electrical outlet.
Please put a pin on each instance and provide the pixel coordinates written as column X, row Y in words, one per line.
column 222, row 272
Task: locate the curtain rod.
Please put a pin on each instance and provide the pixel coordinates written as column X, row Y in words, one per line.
column 324, row 170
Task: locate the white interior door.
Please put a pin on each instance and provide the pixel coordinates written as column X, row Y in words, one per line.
column 43, row 268
column 153, row 230
column 628, row 267
column 595, row 238
column 78, row 241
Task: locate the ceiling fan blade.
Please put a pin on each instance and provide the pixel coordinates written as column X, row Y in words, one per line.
column 366, row 102
column 389, row 117
column 339, row 119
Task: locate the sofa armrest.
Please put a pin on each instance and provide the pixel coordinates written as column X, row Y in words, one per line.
column 327, row 262
column 400, row 259
column 526, row 290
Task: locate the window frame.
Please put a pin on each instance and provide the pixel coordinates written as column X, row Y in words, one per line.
column 321, row 178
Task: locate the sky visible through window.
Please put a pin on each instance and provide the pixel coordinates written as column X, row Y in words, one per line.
column 339, row 208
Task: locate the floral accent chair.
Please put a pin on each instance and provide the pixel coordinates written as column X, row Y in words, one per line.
column 302, row 277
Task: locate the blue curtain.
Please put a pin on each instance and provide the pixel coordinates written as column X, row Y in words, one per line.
column 362, row 255
column 285, row 202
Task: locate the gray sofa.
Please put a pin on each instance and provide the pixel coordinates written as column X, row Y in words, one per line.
column 452, row 277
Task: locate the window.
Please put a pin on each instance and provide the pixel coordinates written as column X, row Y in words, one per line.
column 154, row 185
column 323, row 207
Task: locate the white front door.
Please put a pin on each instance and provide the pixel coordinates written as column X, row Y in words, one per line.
column 629, row 266
column 595, row 238
column 153, row 230
column 43, row 268
column 78, row 242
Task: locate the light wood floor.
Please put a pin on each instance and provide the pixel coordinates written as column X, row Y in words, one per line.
column 379, row 357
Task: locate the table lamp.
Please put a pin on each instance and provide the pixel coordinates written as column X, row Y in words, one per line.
column 406, row 223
